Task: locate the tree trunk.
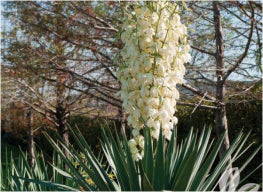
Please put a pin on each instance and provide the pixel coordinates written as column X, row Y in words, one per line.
column 61, row 116
column 29, row 119
column 220, row 113
column 61, row 108
column 12, row 117
column 63, row 131
column 61, row 119
column 121, row 121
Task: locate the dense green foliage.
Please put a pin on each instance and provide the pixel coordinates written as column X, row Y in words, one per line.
column 189, row 164
column 16, row 172
column 246, row 116
column 242, row 115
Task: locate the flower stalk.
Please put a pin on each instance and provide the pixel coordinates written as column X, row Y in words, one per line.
column 154, row 63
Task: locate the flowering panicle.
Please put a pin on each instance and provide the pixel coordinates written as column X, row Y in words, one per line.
column 154, row 54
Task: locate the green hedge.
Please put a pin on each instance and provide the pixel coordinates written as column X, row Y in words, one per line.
column 243, row 115
column 246, row 116
column 90, row 128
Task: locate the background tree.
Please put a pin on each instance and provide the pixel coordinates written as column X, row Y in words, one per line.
column 45, row 55
column 225, row 42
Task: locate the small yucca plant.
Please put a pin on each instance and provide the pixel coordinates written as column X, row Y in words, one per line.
column 178, row 166
column 16, row 175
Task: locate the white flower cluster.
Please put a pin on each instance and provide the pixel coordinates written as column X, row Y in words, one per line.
column 155, row 50
column 136, row 145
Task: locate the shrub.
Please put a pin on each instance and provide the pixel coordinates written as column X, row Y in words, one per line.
column 187, row 165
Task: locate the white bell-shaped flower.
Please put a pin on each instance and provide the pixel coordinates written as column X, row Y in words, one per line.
column 154, row 54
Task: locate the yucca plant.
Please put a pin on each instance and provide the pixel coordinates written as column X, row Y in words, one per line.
column 16, row 175
column 189, row 165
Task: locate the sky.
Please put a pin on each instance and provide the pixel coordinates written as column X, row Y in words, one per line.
column 5, row 25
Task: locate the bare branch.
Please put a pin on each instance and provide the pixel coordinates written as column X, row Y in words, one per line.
column 203, row 51
column 42, row 112
column 241, row 57
column 198, row 92
column 109, row 26
column 194, row 105
column 107, row 68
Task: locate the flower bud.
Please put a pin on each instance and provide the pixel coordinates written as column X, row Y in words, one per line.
column 132, row 143
column 154, row 18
